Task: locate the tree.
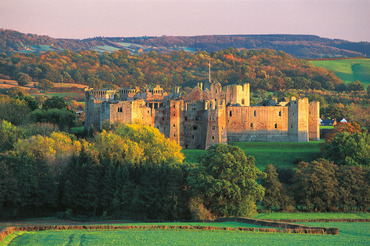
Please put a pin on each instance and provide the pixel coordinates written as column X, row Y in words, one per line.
column 157, row 148
column 23, row 79
column 54, row 102
column 342, row 127
column 17, row 92
column 226, row 181
column 354, row 188
column 8, row 135
column 355, row 86
column 351, row 149
column 46, row 85
column 276, row 197
column 316, row 185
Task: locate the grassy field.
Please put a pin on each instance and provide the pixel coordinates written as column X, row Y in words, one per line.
column 349, row 234
column 281, row 154
column 348, row 70
column 278, row 216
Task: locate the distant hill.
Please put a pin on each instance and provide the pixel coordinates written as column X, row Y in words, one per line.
column 347, row 70
column 300, row 46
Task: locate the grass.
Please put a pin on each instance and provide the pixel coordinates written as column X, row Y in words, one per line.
column 280, row 154
column 77, row 130
column 349, row 234
column 278, row 216
column 326, row 127
column 348, row 70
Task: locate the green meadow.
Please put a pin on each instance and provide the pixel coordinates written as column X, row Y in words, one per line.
column 280, row 154
column 348, row 70
column 349, row 234
column 316, row 215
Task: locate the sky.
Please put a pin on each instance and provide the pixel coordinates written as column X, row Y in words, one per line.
column 342, row 19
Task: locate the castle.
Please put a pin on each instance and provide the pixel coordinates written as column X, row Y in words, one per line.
column 207, row 115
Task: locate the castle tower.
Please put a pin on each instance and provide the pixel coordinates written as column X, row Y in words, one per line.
column 216, row 123
column 238, row 94
column 313, row 121
column 174, row 116
column 298, row 112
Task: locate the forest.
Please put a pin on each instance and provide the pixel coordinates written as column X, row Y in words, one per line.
column 264, row 69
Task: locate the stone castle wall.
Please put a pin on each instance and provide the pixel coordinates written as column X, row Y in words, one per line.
column 208, row 115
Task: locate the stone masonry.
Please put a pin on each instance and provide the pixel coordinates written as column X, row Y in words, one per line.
column 208, row 115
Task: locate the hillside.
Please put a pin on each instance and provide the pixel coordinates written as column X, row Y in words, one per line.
column 300, row 46
column 263, row 69
column 348, row 70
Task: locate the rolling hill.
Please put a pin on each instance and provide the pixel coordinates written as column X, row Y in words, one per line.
column 299, row 46
column 348, row 70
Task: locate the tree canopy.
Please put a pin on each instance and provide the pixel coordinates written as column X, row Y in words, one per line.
column 225, row 180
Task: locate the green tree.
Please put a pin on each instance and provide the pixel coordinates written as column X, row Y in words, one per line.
column 315, row 185
column 226, row 181
column 276, row 197
column 54, row 102
column 354, row 188
column 9, row 135
column 355, row 86
column 46, row 85
column 351, row 149
column 23, row 79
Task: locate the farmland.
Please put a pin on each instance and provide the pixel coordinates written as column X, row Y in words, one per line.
column 282, row 154
column 348, row 70
column 278, row 216
column 350, row 234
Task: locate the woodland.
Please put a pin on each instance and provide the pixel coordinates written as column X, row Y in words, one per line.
column 134, row 172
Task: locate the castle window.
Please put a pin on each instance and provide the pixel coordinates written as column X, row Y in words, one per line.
column 186, row 118
column 174, row 106
column 213, row 128
column 148, row 111
column 251, row 125
column 279, row 113
column 243, row 101
column 162, row 118
column 198, row 118
column 216, row 91
column 174, row 125
column 174, row 135
column 293, row 114
column 186, row 146
column 255, row 113
column 174, row 114
column 213, row 137
column 231, row 113
column 213, row 118
column 275, row 125
column 193, row 137
column 291, row 126
column 195, row 127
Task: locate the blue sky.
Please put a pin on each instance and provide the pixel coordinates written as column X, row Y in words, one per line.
column 343, row 19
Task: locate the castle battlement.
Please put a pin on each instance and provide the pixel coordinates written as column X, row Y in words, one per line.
column 207, row 115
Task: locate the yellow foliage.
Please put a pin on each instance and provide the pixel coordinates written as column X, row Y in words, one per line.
column 157, row 148
column 116, row 147
column 56, row 150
